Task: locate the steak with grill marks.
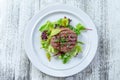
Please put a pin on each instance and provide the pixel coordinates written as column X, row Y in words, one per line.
column 65, row 40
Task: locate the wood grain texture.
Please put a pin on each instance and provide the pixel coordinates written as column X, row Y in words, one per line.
column 15, row 14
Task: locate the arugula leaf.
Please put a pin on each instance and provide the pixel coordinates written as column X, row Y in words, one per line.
column 48, row 56
column 55, row 32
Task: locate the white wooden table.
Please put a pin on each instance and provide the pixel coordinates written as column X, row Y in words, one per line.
column 15, row 14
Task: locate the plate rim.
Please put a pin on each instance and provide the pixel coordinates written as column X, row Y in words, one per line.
column 50, row 13
column 27, row 52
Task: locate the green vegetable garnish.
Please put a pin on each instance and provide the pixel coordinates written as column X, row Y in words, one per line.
column 59, row 22
column 44, row 44
column 73, row 28
column 51, row 49
column 80, row 42
column 47, row 26
column 80, row 27
column 55, row 32
column 65, row 22
column 67, row 56
column 50, row 29
column 48, row 56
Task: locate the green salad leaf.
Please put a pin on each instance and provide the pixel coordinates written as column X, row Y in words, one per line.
column 80, row 42
column 48, row 56
column 55, row 32
column 59, row 22
column 47, row 26
column 44, row 44
column 67, row 56
column 71, row 27
column 51, row 49
column 76, row 50
column 64, row 57
column 79, row 28
column 65, row 22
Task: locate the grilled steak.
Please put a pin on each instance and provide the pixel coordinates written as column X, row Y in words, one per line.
column 65, row 40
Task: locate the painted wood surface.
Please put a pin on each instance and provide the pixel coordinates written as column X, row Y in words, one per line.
column 15, row 14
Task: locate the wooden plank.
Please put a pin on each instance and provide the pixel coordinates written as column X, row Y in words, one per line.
column 14, row 63
column 8, row 37
column 25, row 14
column 114, row 31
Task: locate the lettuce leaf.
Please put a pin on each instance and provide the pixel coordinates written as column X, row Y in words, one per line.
column 59, row 22
column 51, row 49
column 76, row 50
column 44, row 44
column 47, row 26
column 54, row 32
column 67, row 56
column 80, row 42
column 63, row 22
column 48, row 56
column 72, row 28
column 79, row 28
column 64, row 57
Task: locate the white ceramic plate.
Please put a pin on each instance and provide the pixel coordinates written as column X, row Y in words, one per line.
column 56, row 67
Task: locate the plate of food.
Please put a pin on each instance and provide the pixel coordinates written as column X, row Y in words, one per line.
column 61, row 40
